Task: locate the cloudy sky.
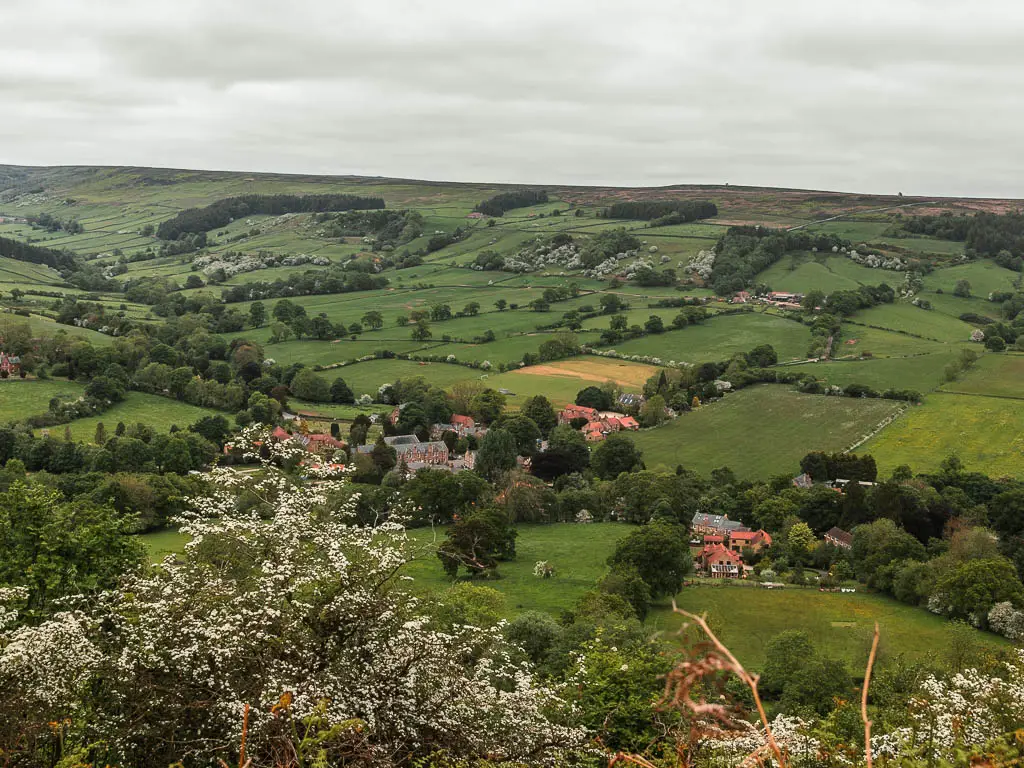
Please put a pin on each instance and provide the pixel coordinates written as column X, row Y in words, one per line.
column 918, row 97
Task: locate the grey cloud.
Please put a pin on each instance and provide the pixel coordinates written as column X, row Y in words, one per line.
column 875, row 96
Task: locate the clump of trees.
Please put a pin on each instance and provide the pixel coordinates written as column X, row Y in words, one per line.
column 662, row 212
column 996, row 236
column 193, row 221
column 506, row 201
column 742, row 252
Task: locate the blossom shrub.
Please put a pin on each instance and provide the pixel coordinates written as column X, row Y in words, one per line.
column 280, row 596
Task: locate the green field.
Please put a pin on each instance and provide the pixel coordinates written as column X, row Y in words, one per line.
column 805, row 272
column 746, row 616
column 922, row 372
column 158, row 412
column 1000, row 375
column 987, row 433
column 721, row 337
column 984, row 276
column 20, row 398
column 761, row 431
column 840, row 625
column 920, row 322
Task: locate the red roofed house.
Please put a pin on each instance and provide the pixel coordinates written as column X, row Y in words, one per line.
column 756, row 540
column 712, row 539
column 595, row 431
column 462, row 424
column 280, row 434
column 571, row 412
column 319, row 443
column 720, row 563
column 628, row 422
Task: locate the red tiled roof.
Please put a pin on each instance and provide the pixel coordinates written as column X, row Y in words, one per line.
column 628, row 422
column 465, row 421
column 280, row 434
column 713, row 550
column 711, row 539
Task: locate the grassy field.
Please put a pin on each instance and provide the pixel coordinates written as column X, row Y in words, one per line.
column 20, row 398
column 921, row 322
column 721, row 337
column 805, row 272
column 921, row 372
column 158, row 412
column 840, row 625
column 1000, row 375
column 987, row 433
column 761, row 431
column 984, row 276
column 577, row 552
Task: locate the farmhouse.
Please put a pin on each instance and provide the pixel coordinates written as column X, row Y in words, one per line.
column 719, row 525
column 720, row 563
column 754, row 540
column 571, row 412
column 837, row 537
column 629, row 399
column 460, row 425
column 803, row 481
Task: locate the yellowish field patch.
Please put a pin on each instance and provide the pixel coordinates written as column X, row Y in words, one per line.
column 622, row 373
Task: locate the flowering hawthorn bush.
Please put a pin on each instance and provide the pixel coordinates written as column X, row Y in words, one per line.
column 283, row 603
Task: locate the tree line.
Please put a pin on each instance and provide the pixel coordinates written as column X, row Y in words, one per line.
column 742, row 252
column 497, row 206
column 662, row 211
column 193, row 221
column 34, row 254
column 989, row 235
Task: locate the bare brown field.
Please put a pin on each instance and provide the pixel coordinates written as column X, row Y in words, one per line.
column 626, row 374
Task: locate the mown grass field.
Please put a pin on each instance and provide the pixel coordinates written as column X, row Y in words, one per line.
column 761, row 431
column 987, row 433
column 1000, row 375
column 920, row 322
column 921, row 372
column 718, row 338
column 158, row 412
column 805, row 272
column 840, row 625
column 20, row 398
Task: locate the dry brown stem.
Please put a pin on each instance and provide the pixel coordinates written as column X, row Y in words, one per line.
column 864, row 699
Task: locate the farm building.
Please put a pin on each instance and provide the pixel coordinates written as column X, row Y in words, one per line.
column 571, row 412
column 755, row 540
column 10, row 365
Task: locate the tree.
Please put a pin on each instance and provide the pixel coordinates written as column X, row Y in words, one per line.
column 539, row 409
column 100, row 438
column 213, row 428
column 477, row 543
column 373, row 319
column 501, row 304
column 799, row 543
column 105, row 388
column 472, row 309
column 652, row 412
column 975, row 586
column 524, row 432
column 487, row 406
column 660, row 555
column 421, row 331
column 625, row 581
column 536, row 632
column 497, row 454
column 594, row 397
column 785, row 655
column 762, row 356
column 566, row 453
column 654, row 324
column 175, row 457
column 341, row 392
column 995, row 343
column 56, row 548
column 962, row 289
column 257, row 314
column 320, row 327
column 614, row 455
column 308, row 385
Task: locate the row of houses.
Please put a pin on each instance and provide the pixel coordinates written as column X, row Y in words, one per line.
column 599, row 424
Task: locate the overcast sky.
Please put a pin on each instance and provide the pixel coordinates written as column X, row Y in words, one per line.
column 919, row 97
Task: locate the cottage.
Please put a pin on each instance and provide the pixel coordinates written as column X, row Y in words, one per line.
column 741, row 297
column 409, row 449
column 837, row 537
column 720, row 563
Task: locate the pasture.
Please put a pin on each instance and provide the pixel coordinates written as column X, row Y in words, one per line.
column 760, row 431
column 21, row 398
column 161, row 413
column 914, row 320
column 720, row 337
column 840, row 625
column 987, row 433
column 999, row 375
